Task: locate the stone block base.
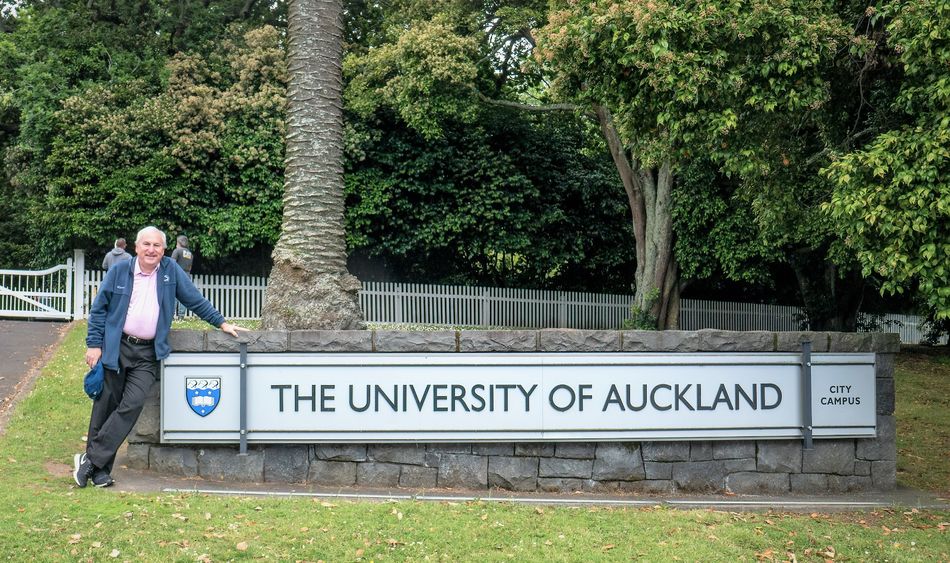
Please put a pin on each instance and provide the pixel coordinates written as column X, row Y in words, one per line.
column 601, row 467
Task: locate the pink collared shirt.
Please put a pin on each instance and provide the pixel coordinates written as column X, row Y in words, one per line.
column 142, row 318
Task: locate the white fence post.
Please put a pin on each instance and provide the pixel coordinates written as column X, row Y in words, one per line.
column 78, row 280
column 397, row 309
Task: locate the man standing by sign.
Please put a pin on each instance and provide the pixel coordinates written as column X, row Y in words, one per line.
column 128, row 331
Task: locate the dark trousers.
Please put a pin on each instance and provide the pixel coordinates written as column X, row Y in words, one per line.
column 118, row 407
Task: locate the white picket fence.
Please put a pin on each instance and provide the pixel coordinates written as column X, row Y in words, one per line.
column 42, row 294
column 241, row 297
column 237, row 297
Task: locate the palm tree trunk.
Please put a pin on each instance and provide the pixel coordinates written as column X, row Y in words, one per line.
column 309, row 286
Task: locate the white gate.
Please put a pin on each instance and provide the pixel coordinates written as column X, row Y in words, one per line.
column 42, row 294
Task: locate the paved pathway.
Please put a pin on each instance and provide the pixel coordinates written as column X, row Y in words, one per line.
column 23, row 347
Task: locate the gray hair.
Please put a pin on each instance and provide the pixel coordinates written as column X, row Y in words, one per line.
column 151, row 229
column 183, row 240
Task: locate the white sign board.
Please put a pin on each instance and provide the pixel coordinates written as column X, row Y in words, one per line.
column 314, row 397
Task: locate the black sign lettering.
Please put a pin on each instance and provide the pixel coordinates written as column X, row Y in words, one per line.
column 570, row 403
column 527, row 395
column 280, row 389
column 353, row 403
column 762, row 396
column 653, row 397
column 326, row 397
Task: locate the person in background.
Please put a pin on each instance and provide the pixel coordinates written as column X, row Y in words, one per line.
column 116, row 254
column 185, row 258
column 128, row 331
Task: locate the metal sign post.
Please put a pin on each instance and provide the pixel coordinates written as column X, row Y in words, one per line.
column 806, row 395
column 243, row 450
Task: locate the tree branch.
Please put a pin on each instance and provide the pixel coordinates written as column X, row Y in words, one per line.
column 842, row 145
column 528, row 107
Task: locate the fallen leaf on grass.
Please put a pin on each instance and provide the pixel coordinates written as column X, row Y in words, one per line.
column 115, row 553
column 359, row 552
column 608, row 547
column 768, row 554
column 241, row 546
column 75, row 538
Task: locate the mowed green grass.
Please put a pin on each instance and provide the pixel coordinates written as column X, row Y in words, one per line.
column 44, row 517
column 922, row 382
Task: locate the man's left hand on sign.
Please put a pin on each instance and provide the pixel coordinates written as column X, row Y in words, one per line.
column 232, row 329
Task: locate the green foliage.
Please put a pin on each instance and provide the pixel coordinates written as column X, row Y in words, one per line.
column 640, row 318
column 55, row 56
column 472, row 193
column 512, row 201
column 891, row 198
column 425, row 74
column 694, row 78
column 716, row 232
column 203, row 156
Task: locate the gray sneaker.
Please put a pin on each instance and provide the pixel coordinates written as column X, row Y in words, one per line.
column 100, row 478
column 82, row 469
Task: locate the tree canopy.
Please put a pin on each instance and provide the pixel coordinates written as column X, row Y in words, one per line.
column 504, row 143
column 891, row 199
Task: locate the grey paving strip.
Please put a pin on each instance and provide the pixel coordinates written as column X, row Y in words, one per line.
column 734, row 505
column 422, row 497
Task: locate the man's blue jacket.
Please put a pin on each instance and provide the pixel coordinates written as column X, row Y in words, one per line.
column 107, row 317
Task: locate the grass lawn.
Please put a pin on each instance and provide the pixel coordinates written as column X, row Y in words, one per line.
column 922, row 380
column 44, row 517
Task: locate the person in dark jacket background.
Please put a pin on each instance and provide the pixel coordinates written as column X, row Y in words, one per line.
column 185, row 258
column 128, row 332
column 116, row 254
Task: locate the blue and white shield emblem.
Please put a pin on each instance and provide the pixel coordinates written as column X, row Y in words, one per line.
column 203, row 394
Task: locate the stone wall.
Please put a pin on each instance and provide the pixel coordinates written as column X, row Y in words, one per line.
column 750, row 466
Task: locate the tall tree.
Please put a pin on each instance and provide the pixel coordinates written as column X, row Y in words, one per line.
column 309, row 285
column 672, row 82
